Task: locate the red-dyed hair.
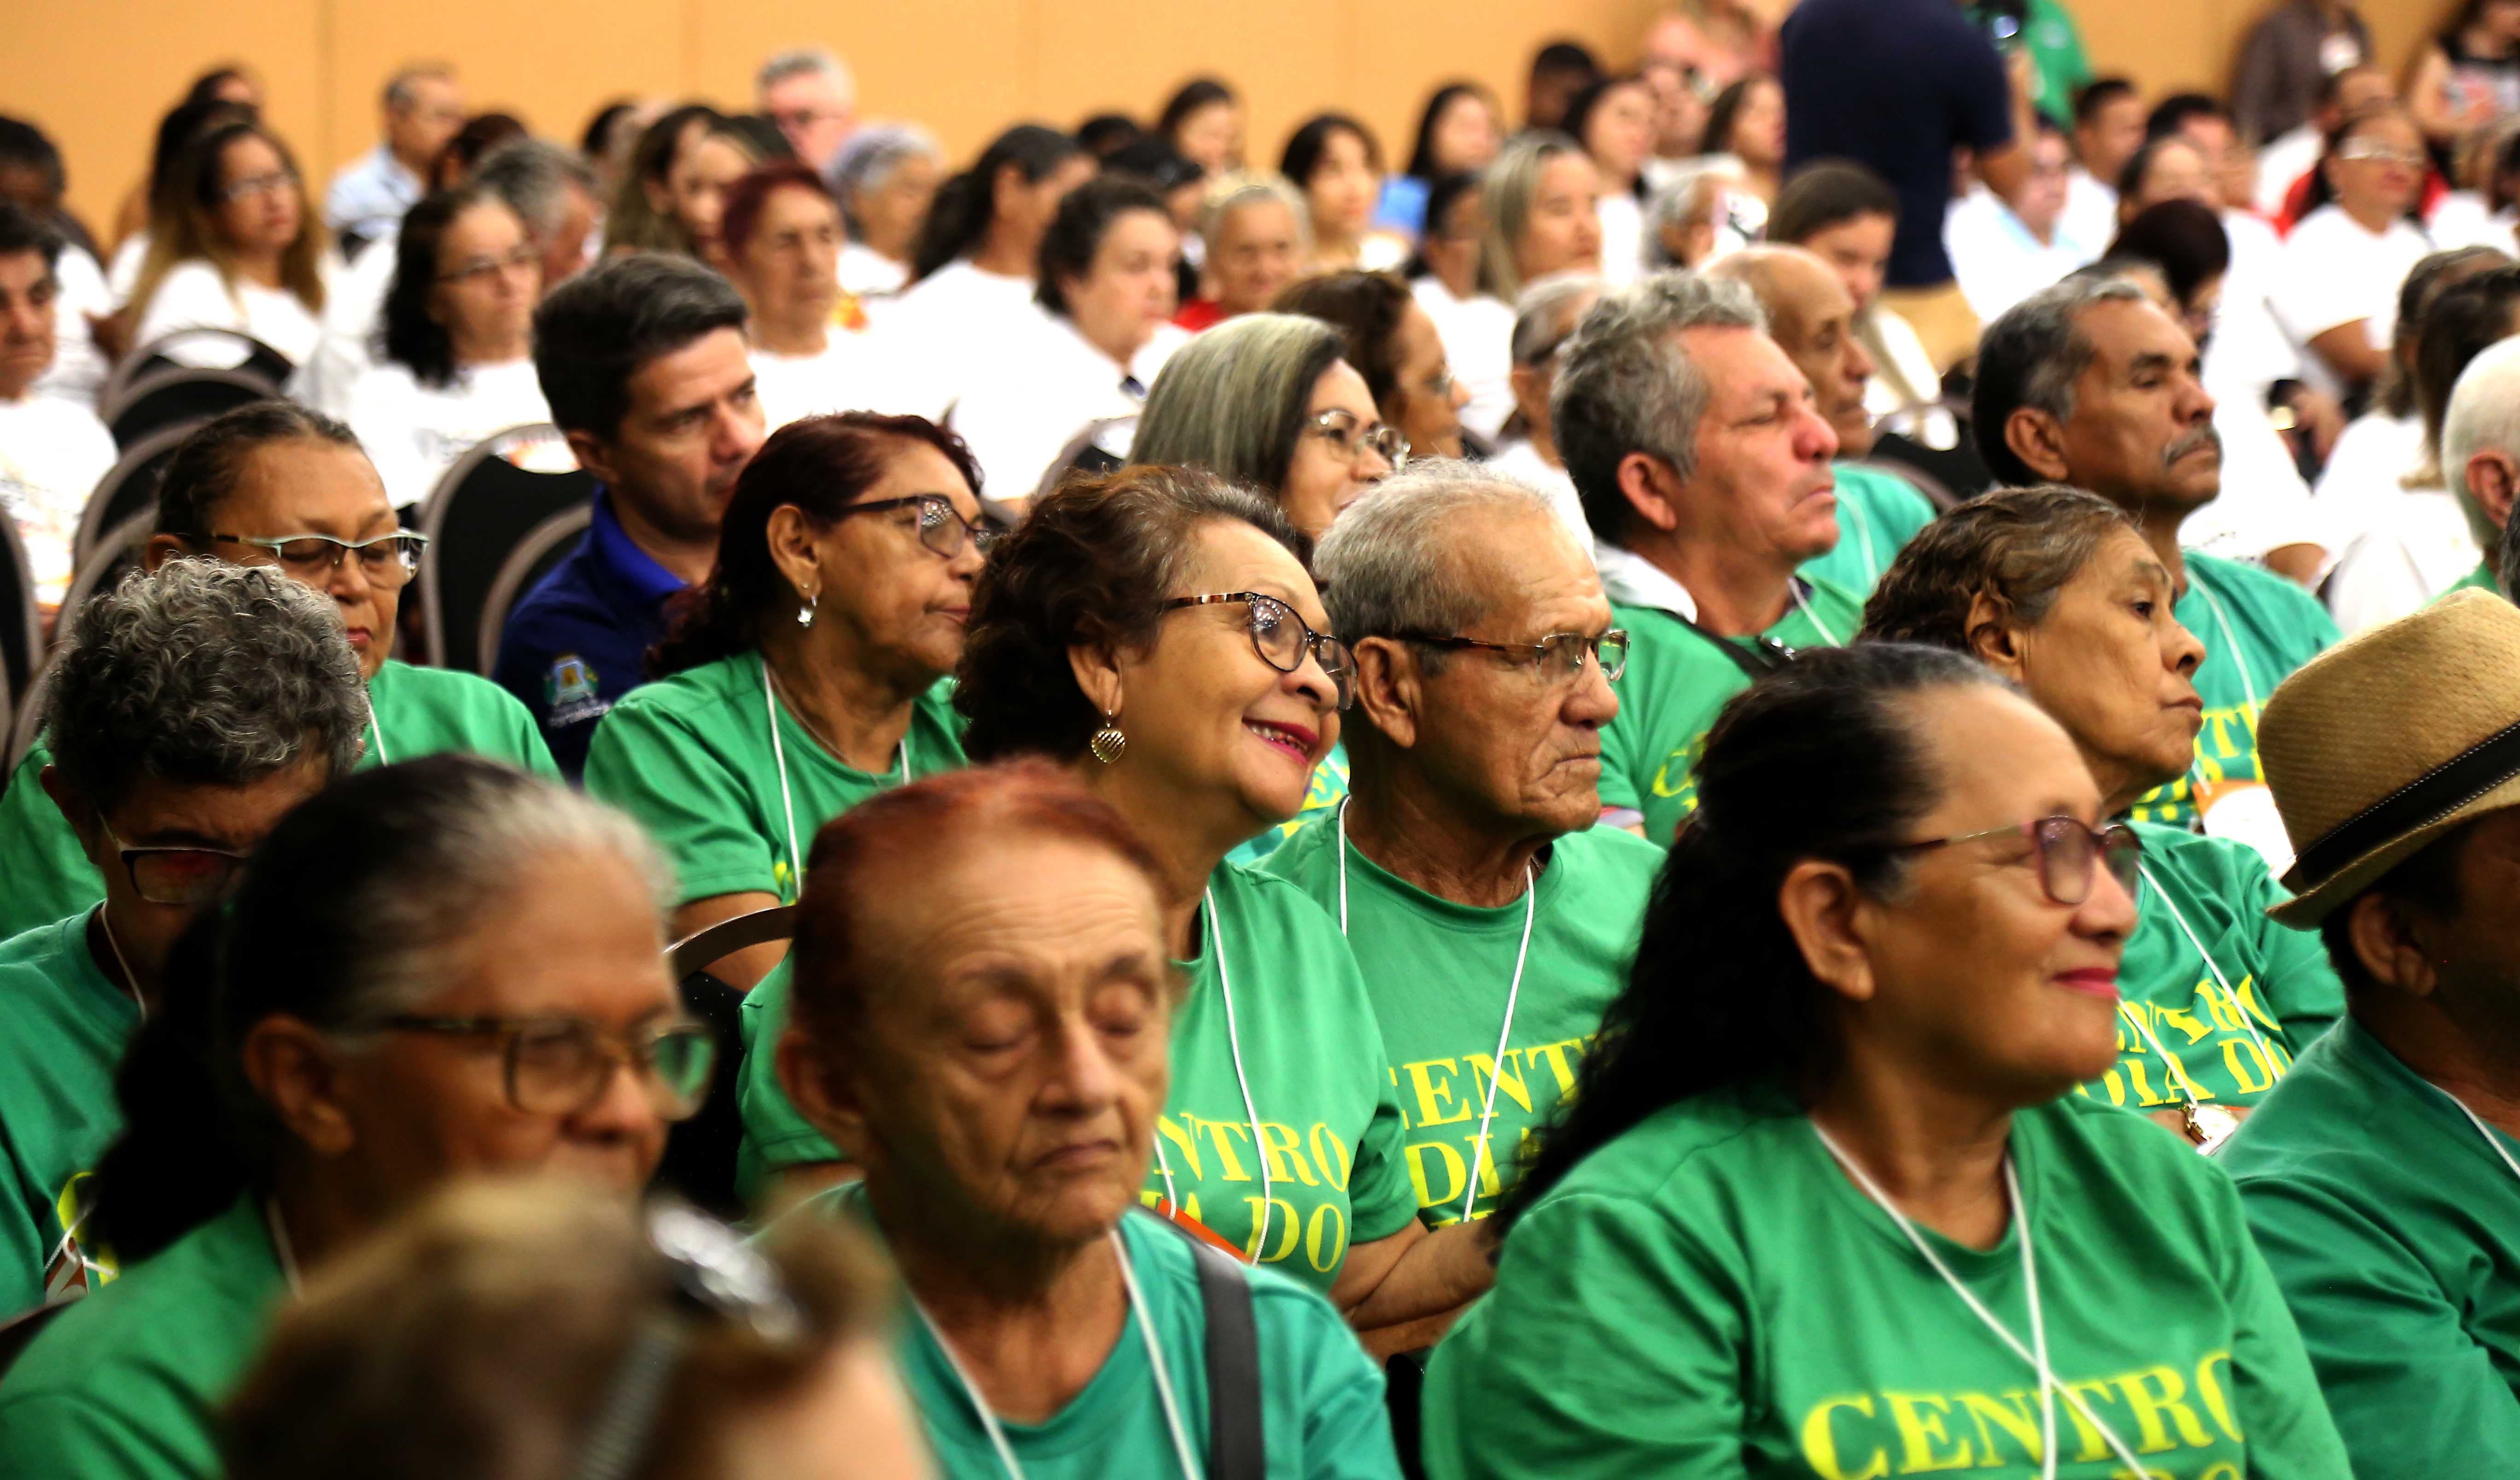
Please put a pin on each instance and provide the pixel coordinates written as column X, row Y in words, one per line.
column 746, row 198
column 903, row 834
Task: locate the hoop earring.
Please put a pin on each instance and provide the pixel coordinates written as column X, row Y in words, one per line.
column 805, row 614
column 1107, row 742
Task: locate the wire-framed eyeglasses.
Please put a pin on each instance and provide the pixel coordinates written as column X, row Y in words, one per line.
column 1354, row 438
column 386, row 560
column 941, row 526
column 1282, row 638
column 2064, row 850
column 1559, row 658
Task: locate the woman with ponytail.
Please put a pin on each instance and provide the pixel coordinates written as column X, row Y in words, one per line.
column 971, row 278
column 1823, row 1194
column 430, row 970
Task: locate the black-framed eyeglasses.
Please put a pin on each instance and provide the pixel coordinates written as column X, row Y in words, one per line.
column 941, row 526
column 1559, row 657
column 386, row 560
column 479, row 269
column 564, row 1065
column 1354, row 438
column 1282, row 638
column 176, row 875
column 2064, row 848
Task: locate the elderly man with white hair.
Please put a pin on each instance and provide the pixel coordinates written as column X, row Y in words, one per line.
column 811, row 96
column 1493, row 921
column 2480, row 456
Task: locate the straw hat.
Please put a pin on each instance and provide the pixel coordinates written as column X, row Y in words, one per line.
column 2387, row 741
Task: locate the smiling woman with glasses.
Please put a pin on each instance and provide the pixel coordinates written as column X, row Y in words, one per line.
column 437, row 969
column 1824, row 1167
column 458, row 335
column 809, row 671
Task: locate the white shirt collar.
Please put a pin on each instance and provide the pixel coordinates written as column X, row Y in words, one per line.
column 1631, row 580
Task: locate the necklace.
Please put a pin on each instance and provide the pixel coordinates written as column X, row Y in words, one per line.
column 770, row 698
column 2035, row 1354
column 1513, row 992
column 2207, row 1125
column 1234, row 1041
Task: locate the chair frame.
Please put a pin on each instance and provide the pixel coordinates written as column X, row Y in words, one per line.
column 118, row 379
column 432, row 522
column 509, row 583
column 709, row 945
column 91, row 524
column 182, row 375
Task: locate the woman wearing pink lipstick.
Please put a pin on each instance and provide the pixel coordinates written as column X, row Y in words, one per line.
column 984, row 999
column 2055, row 590
column 808, row 672
column 1823, row 1193
column 1157, row 634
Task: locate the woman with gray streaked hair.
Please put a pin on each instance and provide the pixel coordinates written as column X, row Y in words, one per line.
column 884, row 178
column 1258, row 236
column 1542, row 214
column 433, row 969
column 187, row 710
column 1268, row 401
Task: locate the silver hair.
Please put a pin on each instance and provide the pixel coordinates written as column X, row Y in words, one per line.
column 204, row 674
column 1391, row 566
column 802, row 62
column 1508, row 187
column 1232, row 399
column 1235, row 189
column 533, row 176
column 2483, row 416
column 400, row 86
column 1625, row 383
column 1540, row 315
column 2032, row 355
column 866, row 162
column 1685, row 198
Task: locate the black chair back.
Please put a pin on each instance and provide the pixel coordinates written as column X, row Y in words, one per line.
column 237, row 351
column 525, row 565
column 129, row 487
column 117, row 551
column 179, row 397
column 699, row 1158
column 22, row 633
column 484, row 508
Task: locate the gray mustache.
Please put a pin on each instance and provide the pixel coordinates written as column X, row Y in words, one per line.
column 2202, row 436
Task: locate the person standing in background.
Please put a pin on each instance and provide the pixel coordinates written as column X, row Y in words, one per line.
column 424, row 106
column 2290, row 54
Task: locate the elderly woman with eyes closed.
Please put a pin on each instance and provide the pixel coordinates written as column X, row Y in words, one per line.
column 2055, row 590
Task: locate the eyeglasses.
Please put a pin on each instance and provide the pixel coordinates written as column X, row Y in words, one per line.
column 257, row 185
column 1353, row 438
column 1282, row 638
column 2066, row 849
column 2379, row 154
column 1440, row 383
column 564, row 1065
column 178, row 876
column 387, row 559
column 1559, row 657
column 941, row 526
column 482, row 269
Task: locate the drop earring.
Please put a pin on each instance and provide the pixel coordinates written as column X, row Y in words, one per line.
column 805, row 614
column 1107, row 742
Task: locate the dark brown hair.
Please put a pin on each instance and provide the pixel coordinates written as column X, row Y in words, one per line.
column 1090, row 567
column 2018, row 546
column 1366, row 308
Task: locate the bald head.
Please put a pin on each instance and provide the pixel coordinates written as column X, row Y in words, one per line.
column 1811, row 317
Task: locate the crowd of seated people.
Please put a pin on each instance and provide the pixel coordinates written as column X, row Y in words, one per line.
column 1798, row 759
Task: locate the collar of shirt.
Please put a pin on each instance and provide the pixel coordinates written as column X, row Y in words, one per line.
column 633, row 569
column 1631, row 580
column 393, row 177
column 1066, row 351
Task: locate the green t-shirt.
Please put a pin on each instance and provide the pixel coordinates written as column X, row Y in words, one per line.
column 1878, row 512
column 1322, row 1415
column 2221, row 890
column 419, row 711
column 2060, row 68
column 691, row 758
column 63, row 1028
column 2394, row 1228
column 1437, row 973
column 1327, row 791
column 2278, row 627
column 1709, row 1295
column 127, row 1384
column 2479, row 579
column 1675, row 685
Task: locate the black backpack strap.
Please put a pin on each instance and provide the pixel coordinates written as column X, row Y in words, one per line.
column 1237, row 1450
column 1760, row 657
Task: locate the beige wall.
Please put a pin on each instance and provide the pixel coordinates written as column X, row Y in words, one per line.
column 95, row 73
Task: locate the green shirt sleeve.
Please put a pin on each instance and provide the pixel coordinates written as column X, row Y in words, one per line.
column 2414, row 1394
column 48, row 877
column 2300, row 985
column 652, row 765
column 775, row 1137
column 1658, row 1396
column 63, row 1436
column 1347, row 1429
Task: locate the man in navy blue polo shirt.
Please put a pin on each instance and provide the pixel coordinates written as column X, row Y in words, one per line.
column 644, row 364
column 1897, row 85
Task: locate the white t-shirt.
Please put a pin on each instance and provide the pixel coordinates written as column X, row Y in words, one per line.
column 2461, row 220
column 844, row 376
column 2286, row 158
column 52, row 453
column 2249, row 351
column 414, row 432
column 122, row 272
column 192, row 295
column 353, row 311
column 1995, row 260
column 2417, row 550
column 2265, row 505
column 1924, row 421
column 868, row 273
column 945, row 328
column 1038, row 387
column 1478, row 345
column 2090, row 220
column 1622, row 237
column 78, row 369
column 1521, row 461
column 2359, row 488
column 2334, row 272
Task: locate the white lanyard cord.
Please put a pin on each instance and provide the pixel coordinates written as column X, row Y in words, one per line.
column 280, row 1247
column 104, row 922
column 1795, row 586
column 378, row 731
column 778, row 753
column 2481, row 1129
column 1513, row 992
column 1234, row 1040
column 2274, row 1070
column 996, row 1431
column 2035, row 1354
